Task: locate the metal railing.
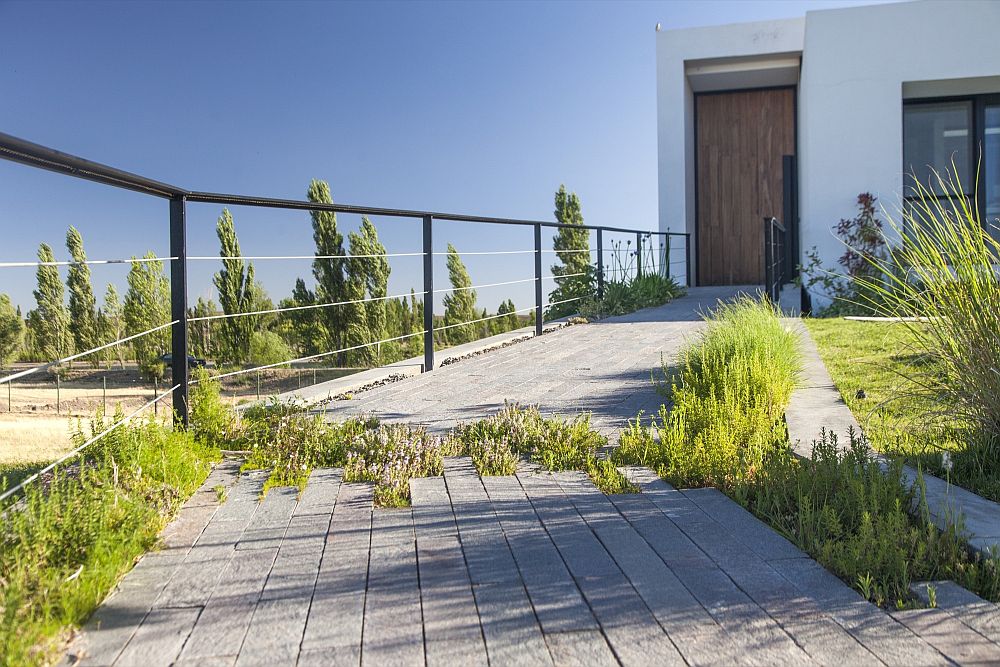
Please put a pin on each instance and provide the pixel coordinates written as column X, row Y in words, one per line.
column 775, row 270
column 34, row 155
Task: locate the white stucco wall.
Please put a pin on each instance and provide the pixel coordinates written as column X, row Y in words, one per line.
column 675, row 100
column 854, row 67
column 856, row 63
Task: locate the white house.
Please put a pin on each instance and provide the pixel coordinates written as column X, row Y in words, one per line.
column 856, row 98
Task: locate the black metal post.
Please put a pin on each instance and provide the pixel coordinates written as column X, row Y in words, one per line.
column 767, row 258
column 600, row 263
column 638, row 254
column 538, row 280
column 428, row 294
column 687, row 259
column 178, row 309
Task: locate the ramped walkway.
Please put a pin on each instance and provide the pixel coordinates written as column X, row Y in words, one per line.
column 532, row 569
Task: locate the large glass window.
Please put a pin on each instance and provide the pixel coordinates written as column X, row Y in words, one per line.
column 935, row 135
column 960, row 131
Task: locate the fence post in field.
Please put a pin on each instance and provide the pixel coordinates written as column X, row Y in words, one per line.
column 58, row 397
column 428, row 294
column 104, row 394
column 538, row 279
column 156, row 392
column 258, row 385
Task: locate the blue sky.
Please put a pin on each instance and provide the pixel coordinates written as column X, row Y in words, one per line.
column 478, row 108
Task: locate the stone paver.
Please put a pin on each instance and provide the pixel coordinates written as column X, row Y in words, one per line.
column 530, row 569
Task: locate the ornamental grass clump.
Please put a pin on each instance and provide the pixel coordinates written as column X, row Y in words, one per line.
column 389, row 456
column 939, row 273
column 728, row 400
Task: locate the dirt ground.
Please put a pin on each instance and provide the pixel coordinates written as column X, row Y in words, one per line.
column 36, row 413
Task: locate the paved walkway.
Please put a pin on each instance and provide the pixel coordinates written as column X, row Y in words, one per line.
column 532, row 569
column 603, row 368
column 535, row 568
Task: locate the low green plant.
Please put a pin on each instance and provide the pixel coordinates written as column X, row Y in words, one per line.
column 73, row 536
column 390, row 456
column 213, row 421
column 499, row 441
column 629, row 295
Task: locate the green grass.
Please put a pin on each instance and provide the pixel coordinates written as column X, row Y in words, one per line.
column 626, row 296
column 70, row 541
column 11, row 474
column 897, row 415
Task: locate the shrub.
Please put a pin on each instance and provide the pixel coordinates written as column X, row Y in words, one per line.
column 267, row 347
column 629, row 295
column 493, row 456
column 213, row 422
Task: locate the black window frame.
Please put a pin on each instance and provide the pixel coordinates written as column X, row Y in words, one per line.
column 978, row 132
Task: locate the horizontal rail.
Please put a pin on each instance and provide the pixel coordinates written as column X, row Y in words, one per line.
column 89, row 262
column 266, row 257
column 273, row 311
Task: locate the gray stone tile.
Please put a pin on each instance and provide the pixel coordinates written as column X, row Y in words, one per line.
column 513, row 636
column 587, row 648
column 159, row 639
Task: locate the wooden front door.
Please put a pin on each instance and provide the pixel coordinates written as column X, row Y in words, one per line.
column 741, row 138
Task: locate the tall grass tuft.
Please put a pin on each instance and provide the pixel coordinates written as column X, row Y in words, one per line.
column 939, row 271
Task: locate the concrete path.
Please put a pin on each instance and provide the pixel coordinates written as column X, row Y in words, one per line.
column 817, row 404
column 532, row 569
column 604, row 368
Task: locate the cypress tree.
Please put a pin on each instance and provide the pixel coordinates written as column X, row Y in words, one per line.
column 331, row 281
column 112, row 325
column 376, row 269
column 147, row 305
column 568, row 244
column 49, row 321
column 237, row 293
column 354, row 314
column 459, row 305
column 82, row 304
column 11, row 331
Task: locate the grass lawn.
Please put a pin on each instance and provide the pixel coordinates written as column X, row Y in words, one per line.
column 872, row 357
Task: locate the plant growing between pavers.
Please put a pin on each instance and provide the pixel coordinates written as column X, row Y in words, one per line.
column 726, row 429
column 69, row 540
column 629, row 295
column 497, row 443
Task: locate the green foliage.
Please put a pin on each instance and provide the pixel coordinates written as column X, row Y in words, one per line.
column 237, row 293
column 147, row 305
column 629, row 295
column 942, row 271
column 497, row 442
column 307, row 330
column 267, row 348
column 111, row 326
column 460, row 304
column 389, row 456
column 857, row 518
column 66, row 548
column 572, row 247
column 728, row 399
column 863, row 238
column 375, row 272
column 49, row 321
column 82, row 304
column 331, row 281
column 11, row 331
column 509, row 320
column 201, row 340
column 213, row 421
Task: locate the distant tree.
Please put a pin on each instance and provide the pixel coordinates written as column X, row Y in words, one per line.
column 201, row 341
column 11, row 331
column 574, row 275
column 237, row 292
column 507, row 323
column 374, row 268
column 460, row 304
column 331, row 280
column 49, row 321
column 147, row 305
column 82, row 304
column 354, row 314
column 306, row 332
column 111, row 326
column 416, row 322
